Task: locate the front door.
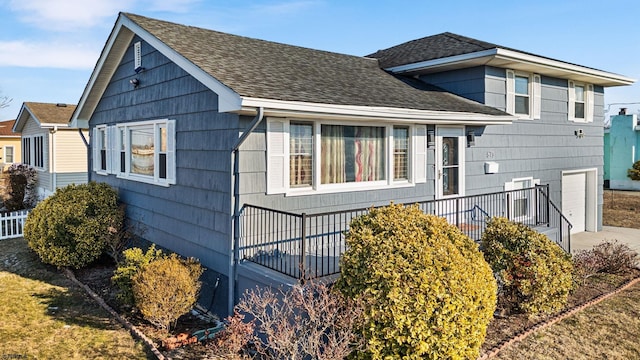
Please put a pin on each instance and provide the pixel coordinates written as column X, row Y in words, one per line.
column 450, row 161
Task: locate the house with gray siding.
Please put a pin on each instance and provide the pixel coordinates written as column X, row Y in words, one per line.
column 55, row 150
column 253, row 155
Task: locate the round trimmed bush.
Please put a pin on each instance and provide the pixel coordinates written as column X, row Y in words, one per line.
column 71, row 227
column 535, row 274
column 166, row 289
column 426, row 289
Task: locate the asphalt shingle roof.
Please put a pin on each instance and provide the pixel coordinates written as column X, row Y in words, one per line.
column 48, row 113
column 269, row 70
column 429, row 48
column 6, row 128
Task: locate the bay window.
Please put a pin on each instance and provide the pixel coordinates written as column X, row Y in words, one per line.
column 400, row 153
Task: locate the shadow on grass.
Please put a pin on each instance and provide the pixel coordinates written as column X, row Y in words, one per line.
column 73, row 308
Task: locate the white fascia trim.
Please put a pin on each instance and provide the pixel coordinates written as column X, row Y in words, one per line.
column 228, row 100
column 292, row 109
column 557, row 64
column 511, row 55
column 442, row 61
column 115, row 33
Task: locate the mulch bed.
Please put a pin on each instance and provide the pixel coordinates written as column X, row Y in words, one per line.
column 501, row 328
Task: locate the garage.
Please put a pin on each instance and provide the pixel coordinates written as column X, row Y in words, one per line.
column 579, row 193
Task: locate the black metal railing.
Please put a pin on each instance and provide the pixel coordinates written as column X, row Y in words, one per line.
column 310, row 245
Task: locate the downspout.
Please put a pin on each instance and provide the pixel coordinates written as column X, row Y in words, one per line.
column 86, row 143
column 235, row 218
column 52, row 156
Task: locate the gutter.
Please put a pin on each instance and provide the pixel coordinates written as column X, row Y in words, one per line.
column 235, row 223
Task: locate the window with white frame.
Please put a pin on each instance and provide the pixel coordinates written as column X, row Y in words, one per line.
column 33, row 152
column 325, row 156
column 523, row 97
column 140, row 151
column 8, row 154
column 520, row 201
column 580, row 105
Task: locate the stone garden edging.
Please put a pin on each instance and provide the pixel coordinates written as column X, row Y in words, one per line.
column 132, row 329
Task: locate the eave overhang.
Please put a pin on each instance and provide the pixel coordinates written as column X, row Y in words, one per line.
column 313, row 111
column 510, row 59
column 116, row 46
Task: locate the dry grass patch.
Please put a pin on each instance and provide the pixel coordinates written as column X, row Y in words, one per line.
column 608, row 330
column 621, row 208
column 44, row 316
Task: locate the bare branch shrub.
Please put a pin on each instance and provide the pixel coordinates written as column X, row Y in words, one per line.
column 609, row 257
column 232, row 342
column 309, row 321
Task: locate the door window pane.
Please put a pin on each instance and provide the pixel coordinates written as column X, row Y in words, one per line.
column 450, row 166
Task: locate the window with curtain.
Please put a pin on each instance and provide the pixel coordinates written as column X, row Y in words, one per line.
column 400, row 153
column 300, row 154
column 8, row 154
column 352, row 154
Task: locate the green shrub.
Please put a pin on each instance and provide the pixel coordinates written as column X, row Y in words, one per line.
column 634, row 172
column 425, row 288
column 166, row 289
column 71, row 227
column 535, row 274
column 133, row 261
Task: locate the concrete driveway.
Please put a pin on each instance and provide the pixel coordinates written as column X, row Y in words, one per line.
column 586, row 240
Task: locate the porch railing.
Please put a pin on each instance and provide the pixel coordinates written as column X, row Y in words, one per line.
column 310, row 245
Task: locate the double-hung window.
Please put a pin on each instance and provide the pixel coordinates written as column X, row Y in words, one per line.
column 8, row 154
column 580, row 107
column 327, row 157
column 521, row 202
column 33, row 152
column 140, row 151
column 523, row 94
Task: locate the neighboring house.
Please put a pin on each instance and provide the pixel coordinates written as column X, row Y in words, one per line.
column 10, row 149
column 621, row 146
column 241, row 151
column 55, row 150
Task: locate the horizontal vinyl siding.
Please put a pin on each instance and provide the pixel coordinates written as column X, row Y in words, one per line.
column 64, row 179
column 17, row 150
column 468, row 83
column 70, row 153
column 192, row 217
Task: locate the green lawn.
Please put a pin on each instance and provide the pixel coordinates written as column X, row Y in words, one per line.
column 44, row 316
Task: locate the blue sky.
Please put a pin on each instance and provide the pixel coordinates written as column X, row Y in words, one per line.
column 48, row 48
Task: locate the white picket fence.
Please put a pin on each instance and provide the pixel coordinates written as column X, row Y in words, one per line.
column 12, row 224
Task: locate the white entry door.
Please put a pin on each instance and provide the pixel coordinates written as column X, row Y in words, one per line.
column 450, row 161
column 574, row 200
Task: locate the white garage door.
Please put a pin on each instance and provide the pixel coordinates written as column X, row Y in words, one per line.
column 574, row 201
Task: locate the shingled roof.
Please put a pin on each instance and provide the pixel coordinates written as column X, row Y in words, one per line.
column 263, row 69
column 429, row 48
column 47, row 114
column 6, row 129
column 448, row 48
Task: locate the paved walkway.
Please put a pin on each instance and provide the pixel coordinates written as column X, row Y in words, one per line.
column 586, row 240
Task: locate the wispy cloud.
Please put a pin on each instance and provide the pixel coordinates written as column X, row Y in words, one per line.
column 67, row 15
column 286, row 7
column 174, row 6
column 47, row 55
